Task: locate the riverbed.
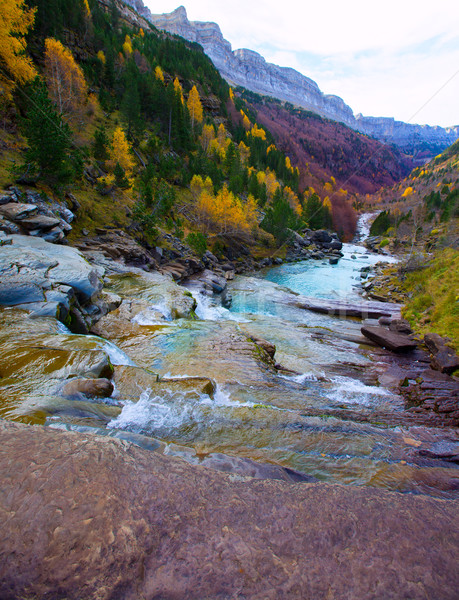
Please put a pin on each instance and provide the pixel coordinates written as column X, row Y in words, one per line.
column 318, row 408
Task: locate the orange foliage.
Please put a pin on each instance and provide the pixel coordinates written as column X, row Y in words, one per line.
column 178, row 89
column 225, row 213
column 258, row 132
column 194, row 106
column 292, row 199
column 120, row 152
column 65, row 80
column 15, row 21
column 159, row 74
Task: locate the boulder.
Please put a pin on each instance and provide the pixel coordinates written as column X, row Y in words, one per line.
column 40, row 222
column 444, row 358
column 400, row 326
column 321, row 236
column 92, row 388
column 389, row 339
column 131, row 381
column 445, row 361
column 17, row 211
column 33, row 259
column 85, row 516
column 361, row 310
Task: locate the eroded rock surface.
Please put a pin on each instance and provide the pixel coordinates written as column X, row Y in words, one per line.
column 89, row 517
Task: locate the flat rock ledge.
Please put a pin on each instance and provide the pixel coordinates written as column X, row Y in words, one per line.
column 361, row 310
column 89, row 517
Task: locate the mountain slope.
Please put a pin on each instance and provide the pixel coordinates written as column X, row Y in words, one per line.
column 250, row 70
column 323, row 149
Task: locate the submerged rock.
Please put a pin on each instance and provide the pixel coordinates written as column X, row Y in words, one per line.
column 93, row 388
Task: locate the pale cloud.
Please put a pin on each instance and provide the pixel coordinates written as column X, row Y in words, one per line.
column 384, row 59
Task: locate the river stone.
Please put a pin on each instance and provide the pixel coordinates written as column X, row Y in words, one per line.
column 132, row 381
column 93, row 388
column 400, row 326
column 389, row 339
column 444, row 358
column 91, row 517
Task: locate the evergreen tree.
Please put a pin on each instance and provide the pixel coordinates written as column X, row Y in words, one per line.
column 279, row 218
column 49, row 139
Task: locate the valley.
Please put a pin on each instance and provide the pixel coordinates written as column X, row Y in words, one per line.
column 229, row 344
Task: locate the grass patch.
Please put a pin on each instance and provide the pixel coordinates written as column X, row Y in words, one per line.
column 433, row 303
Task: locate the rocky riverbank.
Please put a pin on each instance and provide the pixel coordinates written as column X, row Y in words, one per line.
column 128, row 499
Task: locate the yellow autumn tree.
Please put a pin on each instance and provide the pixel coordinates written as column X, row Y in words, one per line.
column 292, row 199
column 409, row 190
column 87, row 10
column 178, row 89
column 101, row 57
column 120, row 152
column 258, row 132
column 288, row 164
column 194, row 106
column 225, row 213
column 244, row 153
column 245, row 120
column 65, row 80
column 208, row 134
column 159, row 73
column 231, row 94
column 16, row 66
column 127, row 46
column 199, row 185
column 272, row 185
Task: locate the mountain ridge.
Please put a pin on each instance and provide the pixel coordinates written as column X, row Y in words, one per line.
column 250, row 69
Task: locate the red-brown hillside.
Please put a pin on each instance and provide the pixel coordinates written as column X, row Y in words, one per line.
column 322, row 148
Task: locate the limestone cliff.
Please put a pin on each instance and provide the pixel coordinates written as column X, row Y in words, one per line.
column 249, row 69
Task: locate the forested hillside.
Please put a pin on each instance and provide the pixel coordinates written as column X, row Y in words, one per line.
column 419, row 217
column 147, row 136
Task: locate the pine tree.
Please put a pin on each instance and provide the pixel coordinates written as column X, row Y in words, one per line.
column 49, row 139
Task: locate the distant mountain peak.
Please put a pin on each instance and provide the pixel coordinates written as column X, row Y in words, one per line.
column 250, row 70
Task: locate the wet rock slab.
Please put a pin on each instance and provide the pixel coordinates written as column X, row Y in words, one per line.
column 341, row 308
column 89, row 517
column 391, row 340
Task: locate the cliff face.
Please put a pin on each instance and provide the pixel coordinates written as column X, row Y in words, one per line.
column 405, row 135
column 249, row 69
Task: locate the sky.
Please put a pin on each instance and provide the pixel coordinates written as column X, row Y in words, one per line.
column 397, row 58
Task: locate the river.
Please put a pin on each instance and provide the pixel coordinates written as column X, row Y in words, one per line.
column 321, row 411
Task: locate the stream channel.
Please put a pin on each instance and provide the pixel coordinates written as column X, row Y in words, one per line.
column 323, row 413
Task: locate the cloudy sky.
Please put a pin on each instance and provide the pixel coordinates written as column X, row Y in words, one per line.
column 397, row 58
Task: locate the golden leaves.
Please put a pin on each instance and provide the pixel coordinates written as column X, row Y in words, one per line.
column 15, row 21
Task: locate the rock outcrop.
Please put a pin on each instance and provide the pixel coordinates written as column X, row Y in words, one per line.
column 49, row 280
column 250, row 70
column 84, row 516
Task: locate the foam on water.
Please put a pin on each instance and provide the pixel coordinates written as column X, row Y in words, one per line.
column 117, row 356
column 207, row 310
column 154, row 315
column 303, row 377
column 352, row 391
column 171, row 411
